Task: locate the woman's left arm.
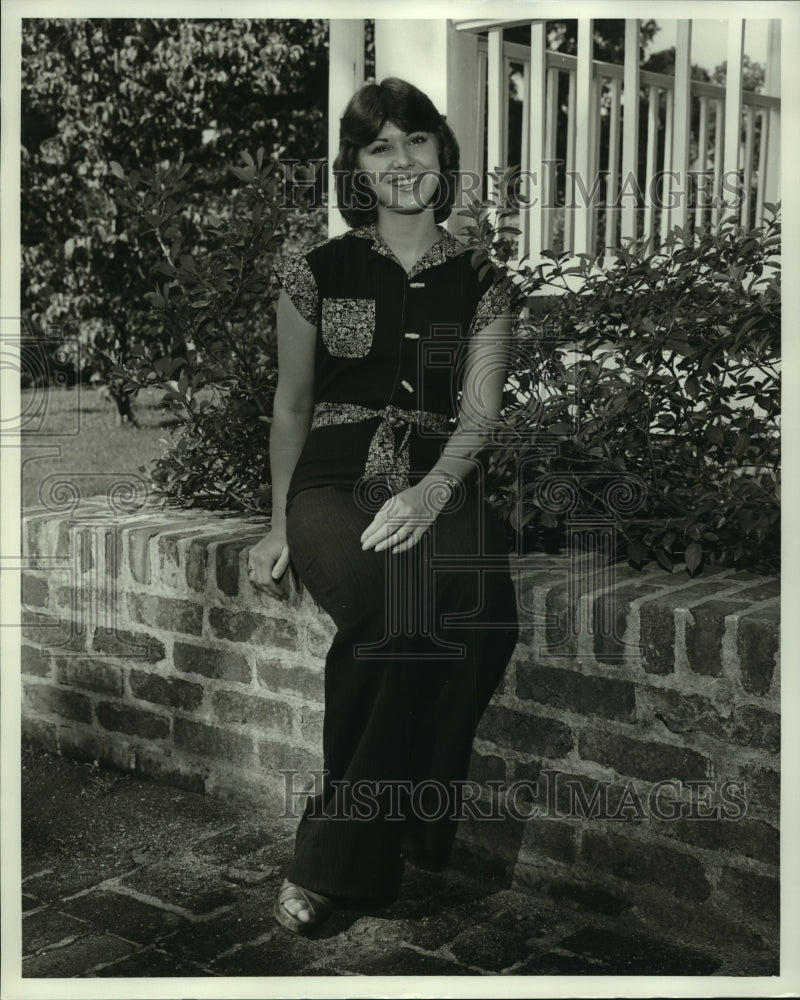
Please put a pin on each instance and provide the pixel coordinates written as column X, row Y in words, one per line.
column 404, row 518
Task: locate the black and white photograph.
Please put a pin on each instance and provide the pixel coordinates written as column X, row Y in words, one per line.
column 392, row 447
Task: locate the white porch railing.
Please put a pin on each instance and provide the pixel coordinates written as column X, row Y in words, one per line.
column 737, row 134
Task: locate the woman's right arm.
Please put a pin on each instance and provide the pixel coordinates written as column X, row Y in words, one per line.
column 291, row 421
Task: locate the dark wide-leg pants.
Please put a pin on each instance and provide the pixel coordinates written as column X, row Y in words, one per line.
column 404, row 686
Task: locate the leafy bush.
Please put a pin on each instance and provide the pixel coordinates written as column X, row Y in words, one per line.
column 213, row 294
column 648, row 397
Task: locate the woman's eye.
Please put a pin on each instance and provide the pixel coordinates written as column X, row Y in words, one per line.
column 413, row 140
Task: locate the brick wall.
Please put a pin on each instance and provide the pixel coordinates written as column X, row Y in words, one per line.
column 145, row 647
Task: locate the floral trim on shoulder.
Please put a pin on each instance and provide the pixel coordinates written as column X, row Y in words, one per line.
column 298, row 280
column 496, row 301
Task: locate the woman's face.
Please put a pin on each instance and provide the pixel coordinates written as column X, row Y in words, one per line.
column 402, row 168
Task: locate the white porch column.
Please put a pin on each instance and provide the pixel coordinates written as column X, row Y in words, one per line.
column 630, row 131
column 416, row 51
column 345, row 76
column 442, row 62
column 464, row 98
column 496, row 99
column 733, row 106
column 582, row 212
column 772, row 87
column 532, row 219
column 681, row 121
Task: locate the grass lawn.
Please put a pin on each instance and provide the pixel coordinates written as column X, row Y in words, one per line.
column 73, row 435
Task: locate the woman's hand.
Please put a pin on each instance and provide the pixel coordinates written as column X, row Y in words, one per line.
column 402, row 520
column 267, row 562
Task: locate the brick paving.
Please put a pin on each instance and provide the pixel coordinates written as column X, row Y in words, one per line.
column 123, row 877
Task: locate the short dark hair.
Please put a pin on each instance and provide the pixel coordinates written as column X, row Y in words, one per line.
column 403, row 104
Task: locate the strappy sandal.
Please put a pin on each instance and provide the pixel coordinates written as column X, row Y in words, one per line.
column 318, row 905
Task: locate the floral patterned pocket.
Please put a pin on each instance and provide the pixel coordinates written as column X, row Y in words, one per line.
column 348, row 326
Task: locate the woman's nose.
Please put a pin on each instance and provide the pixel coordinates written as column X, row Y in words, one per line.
column 402, row 158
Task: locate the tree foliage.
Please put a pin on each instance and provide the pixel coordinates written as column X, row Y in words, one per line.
column 142, row 92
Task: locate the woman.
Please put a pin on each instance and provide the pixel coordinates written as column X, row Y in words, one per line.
column 391, row 355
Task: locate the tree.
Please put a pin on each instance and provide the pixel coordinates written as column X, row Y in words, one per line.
column 143, row 92
column 753, row 74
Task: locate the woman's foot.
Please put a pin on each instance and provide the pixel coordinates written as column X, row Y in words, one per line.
column 301, row 910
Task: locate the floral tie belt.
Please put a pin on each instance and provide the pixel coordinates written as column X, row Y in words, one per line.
column 383, row 457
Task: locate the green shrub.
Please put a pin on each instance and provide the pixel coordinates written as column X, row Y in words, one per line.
column 213, row 292
column 648, row 398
